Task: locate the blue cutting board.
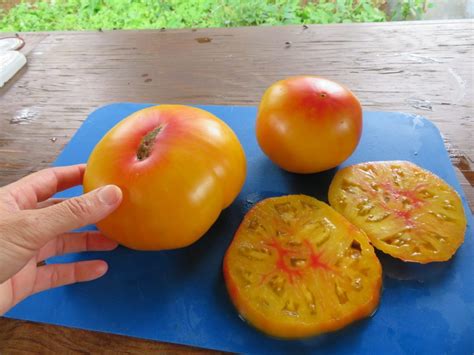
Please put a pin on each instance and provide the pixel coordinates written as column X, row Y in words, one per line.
column 180, row 297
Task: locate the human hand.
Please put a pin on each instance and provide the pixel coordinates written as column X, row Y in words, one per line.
column 35, row 227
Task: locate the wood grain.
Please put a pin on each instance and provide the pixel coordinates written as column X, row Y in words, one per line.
column 423, row 68
column 34, row 338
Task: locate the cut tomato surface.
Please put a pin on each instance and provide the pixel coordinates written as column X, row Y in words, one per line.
column 407, row 212
column 297, row 268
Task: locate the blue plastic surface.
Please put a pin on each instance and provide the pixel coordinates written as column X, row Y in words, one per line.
column 180, row 297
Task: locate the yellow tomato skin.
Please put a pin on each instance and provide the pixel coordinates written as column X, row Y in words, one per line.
column 308, row 124
column 195, row 169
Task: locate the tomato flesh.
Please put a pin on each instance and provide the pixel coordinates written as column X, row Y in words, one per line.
column 407, row 212
column 297, row 268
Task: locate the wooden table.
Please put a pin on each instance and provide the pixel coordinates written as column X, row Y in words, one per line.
column 423, row 68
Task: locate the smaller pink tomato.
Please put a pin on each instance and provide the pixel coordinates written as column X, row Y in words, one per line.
column 308, row 124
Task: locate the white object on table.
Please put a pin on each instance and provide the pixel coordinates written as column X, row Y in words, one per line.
column 10, row 63
column 11, row 44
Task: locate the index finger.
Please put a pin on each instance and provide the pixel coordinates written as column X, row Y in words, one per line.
column 43, row 184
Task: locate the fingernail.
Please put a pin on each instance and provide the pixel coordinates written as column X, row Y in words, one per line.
column 101, row 269
column 109, row 194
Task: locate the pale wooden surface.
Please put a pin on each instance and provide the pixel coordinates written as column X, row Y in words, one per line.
column 424, row 68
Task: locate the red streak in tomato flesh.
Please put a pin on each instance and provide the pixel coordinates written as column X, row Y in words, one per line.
column 414, row 200
column 294, row 273
column 280, row 263
column 315, row 258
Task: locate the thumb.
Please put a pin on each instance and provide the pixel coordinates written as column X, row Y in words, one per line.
column 76, row 212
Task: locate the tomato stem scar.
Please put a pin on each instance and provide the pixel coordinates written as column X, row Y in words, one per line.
column 147, row 143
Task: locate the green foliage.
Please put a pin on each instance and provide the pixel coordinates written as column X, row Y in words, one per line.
column 342, row 11
column 51, row 15
column 409, row 9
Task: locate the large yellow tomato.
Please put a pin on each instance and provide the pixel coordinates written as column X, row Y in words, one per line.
column 308, row 124
column 177, row 166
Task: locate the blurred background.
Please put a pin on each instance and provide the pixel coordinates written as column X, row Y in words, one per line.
column 54, row 15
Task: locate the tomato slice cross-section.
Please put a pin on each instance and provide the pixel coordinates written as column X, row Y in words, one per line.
column 407, row 212
column 297, row 268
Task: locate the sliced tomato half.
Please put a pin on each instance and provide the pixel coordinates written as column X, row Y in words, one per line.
column 407, row 212
column 297, row 268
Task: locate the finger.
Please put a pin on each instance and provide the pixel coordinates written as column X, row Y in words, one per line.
column 55, row 275
column 74, row 243
column 49, row 202
column 45, row 224
column 43, row 184
column 18, row 287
